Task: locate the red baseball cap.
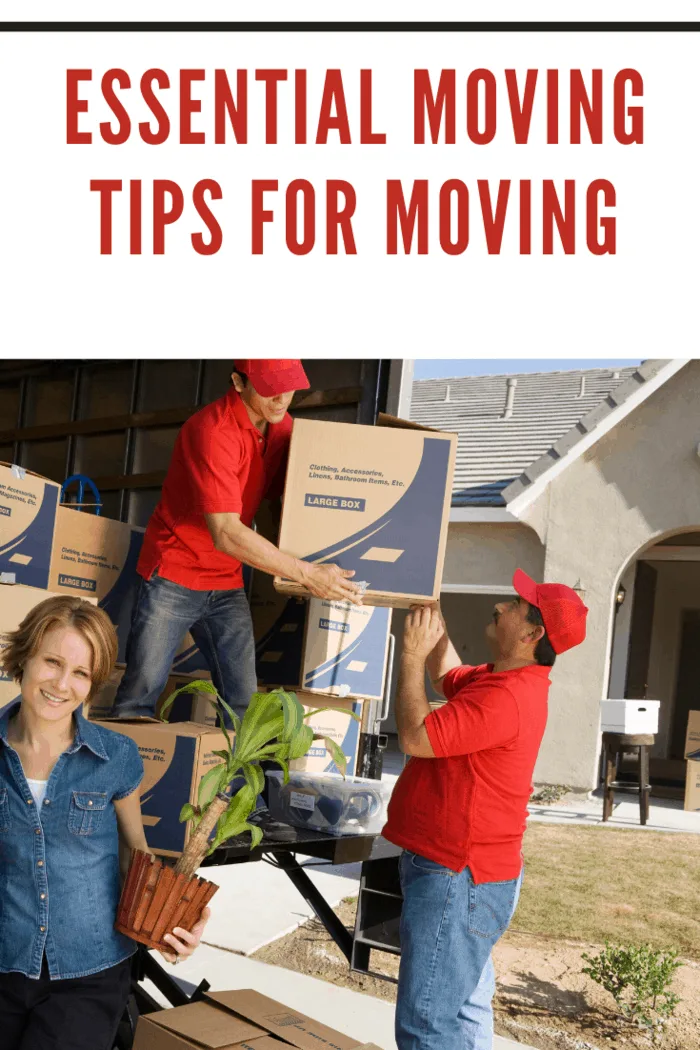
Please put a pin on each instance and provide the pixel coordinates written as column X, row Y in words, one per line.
column 272, row 377
column 563, row 613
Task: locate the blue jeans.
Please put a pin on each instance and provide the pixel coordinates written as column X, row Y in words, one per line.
column 446, row 977
column 221, row 625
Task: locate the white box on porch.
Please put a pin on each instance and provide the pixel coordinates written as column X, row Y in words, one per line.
column 630, row 716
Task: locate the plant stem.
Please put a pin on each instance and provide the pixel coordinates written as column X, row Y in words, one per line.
column 196, row 849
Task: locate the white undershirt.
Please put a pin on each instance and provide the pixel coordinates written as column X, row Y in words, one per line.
column 38, row 790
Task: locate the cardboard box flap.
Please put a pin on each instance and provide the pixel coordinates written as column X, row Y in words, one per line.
column 192, row 729
column 283, row 1021
column 207, row 1026
column 385, row 420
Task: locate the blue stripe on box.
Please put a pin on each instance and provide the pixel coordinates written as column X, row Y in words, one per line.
column 412, row 525
column 33, row 543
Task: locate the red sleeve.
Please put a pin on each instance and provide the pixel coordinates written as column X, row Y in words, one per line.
column 212, row 457
column 456, row 679
column 480, row 717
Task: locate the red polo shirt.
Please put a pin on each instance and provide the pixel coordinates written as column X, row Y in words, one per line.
column 221, row 462
column 467, row 807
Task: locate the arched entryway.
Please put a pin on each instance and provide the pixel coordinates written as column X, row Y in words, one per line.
column 656, row 642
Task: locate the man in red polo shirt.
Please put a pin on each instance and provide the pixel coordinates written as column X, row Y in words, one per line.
column 459, row 807
column 228, row 457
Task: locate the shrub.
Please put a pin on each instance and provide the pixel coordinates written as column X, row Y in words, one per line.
column 639, row 979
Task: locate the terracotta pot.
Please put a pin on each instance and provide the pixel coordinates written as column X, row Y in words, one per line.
column 155, row 900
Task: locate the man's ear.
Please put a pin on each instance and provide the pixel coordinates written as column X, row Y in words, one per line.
column 535, row 634
column 236, row 382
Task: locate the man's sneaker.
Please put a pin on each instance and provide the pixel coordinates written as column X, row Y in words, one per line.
column 273, row 830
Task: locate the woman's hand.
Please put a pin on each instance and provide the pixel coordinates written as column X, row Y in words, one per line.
column 183, row 942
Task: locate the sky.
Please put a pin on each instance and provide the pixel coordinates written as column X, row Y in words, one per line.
column 431, row 369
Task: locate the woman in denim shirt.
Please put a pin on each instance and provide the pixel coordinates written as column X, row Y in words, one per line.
column 68, row 800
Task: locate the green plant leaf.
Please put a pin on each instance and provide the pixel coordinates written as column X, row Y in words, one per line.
column 293, row 714
column 284, row 767
column 336, row 754
column 255, row 778
column 343, row 711
column 255, row 835
column 188, row 812
column 201, row 685
column 213, row 781
column 301, row 742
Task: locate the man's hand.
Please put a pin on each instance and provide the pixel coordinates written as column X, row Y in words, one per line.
column 331, row 582
column 422, row 631
column 183, row 942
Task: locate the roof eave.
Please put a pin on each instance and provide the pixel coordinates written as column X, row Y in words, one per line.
column 650, row 375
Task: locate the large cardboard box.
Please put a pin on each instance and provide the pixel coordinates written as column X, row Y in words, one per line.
column 176, row 755
column 336, row 723
column 188, row 707
column 373, row 499
column 15, row 602
column 692, row 736
column 320, row 646
column 692, row 786
column 243, row 1019
column 96, row 556
column 28, row 505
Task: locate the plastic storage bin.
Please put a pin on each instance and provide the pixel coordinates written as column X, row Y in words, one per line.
column 354, row 806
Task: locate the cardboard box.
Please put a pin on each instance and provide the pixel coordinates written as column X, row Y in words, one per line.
column 630, row 716
column 339, row 725
column 28, row 505
column 176, row 755
column 373, row 499
column 320, row 646
column 692, row 786
column 15, row 602
column 96, row 556
column 692, row 736
column 243, row 1019
column 188, row 707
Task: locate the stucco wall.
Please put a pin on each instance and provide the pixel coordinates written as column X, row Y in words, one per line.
column 639, row 482
column 489, row 554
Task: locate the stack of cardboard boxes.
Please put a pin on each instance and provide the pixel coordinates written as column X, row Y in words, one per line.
column 372, row 499
column 47, row 549
column 238, row 1020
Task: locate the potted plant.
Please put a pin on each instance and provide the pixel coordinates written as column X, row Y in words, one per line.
column 157, row 897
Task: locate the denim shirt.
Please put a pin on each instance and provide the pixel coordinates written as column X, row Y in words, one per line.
column 59, row 868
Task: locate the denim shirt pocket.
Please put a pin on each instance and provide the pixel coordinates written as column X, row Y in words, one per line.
column 85, row 812
column 4, row 811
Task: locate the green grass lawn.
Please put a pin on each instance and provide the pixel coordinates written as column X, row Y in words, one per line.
column 593, row 883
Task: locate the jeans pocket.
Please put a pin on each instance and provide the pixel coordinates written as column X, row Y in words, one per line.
column 85, row 812
column 414, row 863
column 4, row 810
column 491, row 906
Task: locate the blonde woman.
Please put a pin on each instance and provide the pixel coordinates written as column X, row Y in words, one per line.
column 68, row 801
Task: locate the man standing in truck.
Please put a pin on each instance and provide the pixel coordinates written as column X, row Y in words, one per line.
column 459, row 807
column 228, row 458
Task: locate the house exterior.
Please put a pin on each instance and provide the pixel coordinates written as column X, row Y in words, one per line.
column 589, row 478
